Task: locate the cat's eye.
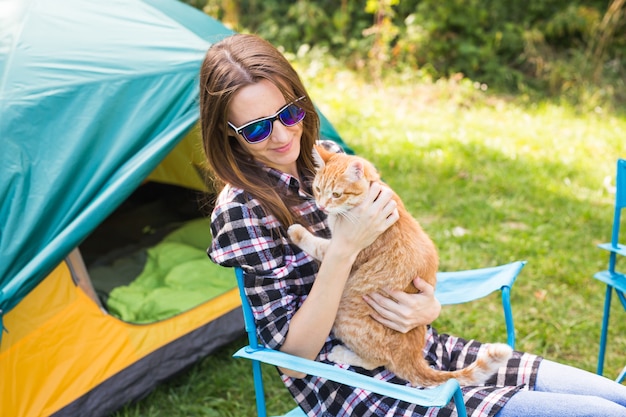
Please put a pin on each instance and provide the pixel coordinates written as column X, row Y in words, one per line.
column 336, row 194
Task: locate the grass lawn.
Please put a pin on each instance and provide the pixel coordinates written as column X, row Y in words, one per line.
column 492, row 179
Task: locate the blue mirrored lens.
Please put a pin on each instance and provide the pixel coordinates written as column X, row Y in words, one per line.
column 261, row 129
column 291, row 115
column 258, row 131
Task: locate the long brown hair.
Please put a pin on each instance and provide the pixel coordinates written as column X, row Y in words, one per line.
column 229, row 65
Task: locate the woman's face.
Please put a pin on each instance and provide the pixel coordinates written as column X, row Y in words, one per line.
column 282, row 148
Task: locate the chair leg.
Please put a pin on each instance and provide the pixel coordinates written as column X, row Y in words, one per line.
column 459, row 403
column 605, row 327
column 508, row 316
column 622, row 298
column 258, row 389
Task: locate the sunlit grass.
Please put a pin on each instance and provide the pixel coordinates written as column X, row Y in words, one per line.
column 492, row 179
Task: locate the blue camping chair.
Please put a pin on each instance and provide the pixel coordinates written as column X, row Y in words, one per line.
column 613, row 279
column 452, row 288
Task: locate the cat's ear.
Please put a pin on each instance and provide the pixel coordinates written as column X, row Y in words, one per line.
column 362, row 169
column 356, row 170
column 317, row 159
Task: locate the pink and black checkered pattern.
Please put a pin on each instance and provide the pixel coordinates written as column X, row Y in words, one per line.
column 278, row 276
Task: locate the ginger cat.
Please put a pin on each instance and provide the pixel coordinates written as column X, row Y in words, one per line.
column 401, row 253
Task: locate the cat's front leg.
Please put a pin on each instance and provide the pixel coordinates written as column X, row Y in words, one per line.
column 308, row 242
column 341, row 354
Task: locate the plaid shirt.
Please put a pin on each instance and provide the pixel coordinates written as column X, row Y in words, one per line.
column 277, row 278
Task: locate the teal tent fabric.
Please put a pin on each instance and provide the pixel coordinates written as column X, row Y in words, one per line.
column 93, row 94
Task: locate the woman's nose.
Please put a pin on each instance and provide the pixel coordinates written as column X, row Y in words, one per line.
column 280, row 132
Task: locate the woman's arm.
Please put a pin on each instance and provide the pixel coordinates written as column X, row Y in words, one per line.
column 312, row 323
column 240, row 237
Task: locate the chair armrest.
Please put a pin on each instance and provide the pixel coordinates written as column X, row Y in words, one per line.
column 430, row 397
column 464, row 286
column 620, row 249
column 616, row 280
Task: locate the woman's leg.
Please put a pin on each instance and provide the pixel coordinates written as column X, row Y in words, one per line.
column 550, row 404
column 568, row 392
column 555, row 377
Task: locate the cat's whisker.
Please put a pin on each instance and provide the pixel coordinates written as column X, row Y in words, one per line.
column 347, row 215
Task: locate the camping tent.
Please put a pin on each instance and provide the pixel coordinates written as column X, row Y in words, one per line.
column 98, row 100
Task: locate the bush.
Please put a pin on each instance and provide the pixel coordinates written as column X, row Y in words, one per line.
column 512, row 46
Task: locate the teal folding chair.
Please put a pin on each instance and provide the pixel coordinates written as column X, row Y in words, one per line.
column 613, row 279
column 452, row 288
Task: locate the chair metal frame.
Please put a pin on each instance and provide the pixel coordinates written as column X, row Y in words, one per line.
column 452, row 288
column 613, row 279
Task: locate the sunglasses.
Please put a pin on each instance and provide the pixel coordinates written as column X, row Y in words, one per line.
column 260, row 129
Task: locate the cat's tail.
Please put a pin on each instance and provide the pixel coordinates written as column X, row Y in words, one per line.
column 419, row 373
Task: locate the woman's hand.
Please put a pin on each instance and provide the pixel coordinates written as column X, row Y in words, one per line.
column 402, row 311
column 368, row 220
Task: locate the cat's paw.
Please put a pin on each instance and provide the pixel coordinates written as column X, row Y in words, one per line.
column 296, row 233
column 499, row 352
column 341, row 354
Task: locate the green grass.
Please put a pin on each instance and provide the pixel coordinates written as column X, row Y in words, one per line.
column 492, row 180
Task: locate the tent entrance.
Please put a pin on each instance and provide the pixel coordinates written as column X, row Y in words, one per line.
column 147, row 261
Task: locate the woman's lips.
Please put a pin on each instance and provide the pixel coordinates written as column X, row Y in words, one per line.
column 284, row 149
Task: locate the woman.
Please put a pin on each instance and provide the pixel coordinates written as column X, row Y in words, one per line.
column 258, row 127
